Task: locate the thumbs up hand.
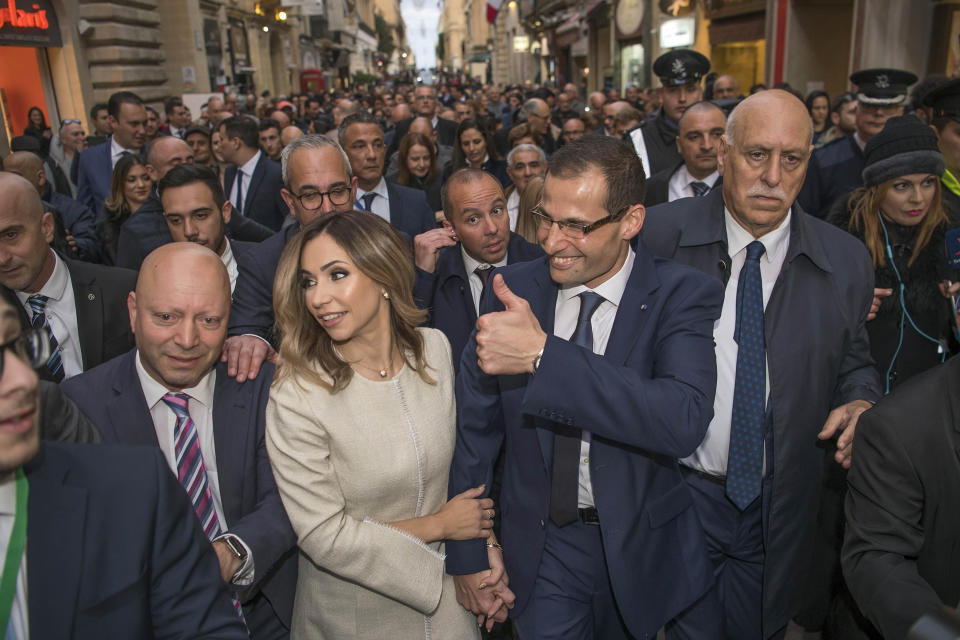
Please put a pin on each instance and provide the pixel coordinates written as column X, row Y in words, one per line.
column 508, row 340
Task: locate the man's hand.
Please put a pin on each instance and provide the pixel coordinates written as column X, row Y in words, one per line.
column 427, row 245
column 229, row 562
column 244, row 355
column 878, row 296
column 71, row 241
column 844, row 419
column 509, row 340
column 486, row 595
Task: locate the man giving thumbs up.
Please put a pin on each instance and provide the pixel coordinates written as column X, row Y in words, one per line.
column 596, row 365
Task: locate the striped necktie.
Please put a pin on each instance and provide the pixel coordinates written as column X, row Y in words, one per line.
column 192, row 472
column 38, row 304
column 699, row 188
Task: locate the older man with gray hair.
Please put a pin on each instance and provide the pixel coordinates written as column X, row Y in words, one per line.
column 523, row 162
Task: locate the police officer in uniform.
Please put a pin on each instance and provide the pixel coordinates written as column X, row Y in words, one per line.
column 655, row 139
column 835, row 168
column 944, row 103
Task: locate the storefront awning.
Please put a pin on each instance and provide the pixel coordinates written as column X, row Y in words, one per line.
column 32, row 24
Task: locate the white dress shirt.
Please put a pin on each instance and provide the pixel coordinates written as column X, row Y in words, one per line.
column 476, row 284
column 201, row 412
column 61, row 312
column 230, row 262
column 116, row 151
column 380, row 204
column 711, row 456
column 679, row 185
column 238, row 199
column 564, row 324
column 176, row 133
column 19, row 620
column 513, row 208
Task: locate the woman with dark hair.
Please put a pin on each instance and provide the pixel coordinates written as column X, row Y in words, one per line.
column 129, row 189
column 37, row 128
column 417, row 168
column 474, row 147
column 899, row 216
column 360, row 433
column 818, row 106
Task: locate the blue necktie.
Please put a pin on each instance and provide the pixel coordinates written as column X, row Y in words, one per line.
column 745, row 460
column 38, row 304
column 368, row 200
column 565, row 484
column 238, row 209
column 699, row 188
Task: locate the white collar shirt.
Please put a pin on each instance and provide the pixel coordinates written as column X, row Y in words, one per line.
column 230, row 262
column 711, row 456
column 381, row 203
column 239, row 199
column 564, row 324
column 513, row 208
column 61, row 312
column 679, row 185
column 476, row 284
column 116, row 151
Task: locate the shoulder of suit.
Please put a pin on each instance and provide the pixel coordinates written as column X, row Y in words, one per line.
column 922, row 395
column 259, row 385
column 834, row 152
column 101, row 272
column 523, row 248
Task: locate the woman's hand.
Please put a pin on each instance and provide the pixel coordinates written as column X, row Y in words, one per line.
column 466, row 516
column 878, row 296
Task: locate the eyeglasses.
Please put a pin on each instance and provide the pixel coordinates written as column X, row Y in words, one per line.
column 571, row 229
column 313, row 200
column 31, row 346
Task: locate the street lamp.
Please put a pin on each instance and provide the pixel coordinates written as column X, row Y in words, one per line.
column 281, row 15
column 266, row 29
column 513, row 5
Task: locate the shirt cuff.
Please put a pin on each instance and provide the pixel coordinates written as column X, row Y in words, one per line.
column 244, row 575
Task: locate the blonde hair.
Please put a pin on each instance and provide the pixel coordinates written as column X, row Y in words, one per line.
column 864, row 209
column 530, row 198
column 382, row 255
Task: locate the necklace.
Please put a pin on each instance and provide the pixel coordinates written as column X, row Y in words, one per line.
column 382, row 372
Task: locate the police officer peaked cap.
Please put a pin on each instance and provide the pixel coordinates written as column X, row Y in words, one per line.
column 945, row 100
column 882, row 86
column 681, row 66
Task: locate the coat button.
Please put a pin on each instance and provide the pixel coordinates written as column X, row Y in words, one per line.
column 91, row 297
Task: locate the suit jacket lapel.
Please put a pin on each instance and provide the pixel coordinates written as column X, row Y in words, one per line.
column 231, row 439
column 130, row 420
column 543, row 303
column 56, row 513
column 88, row 300
column 255, row 180
column 637, row 297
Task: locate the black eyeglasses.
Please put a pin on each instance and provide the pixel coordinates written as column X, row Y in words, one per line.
column 574, row 230
column 32, row 346
column 313, row 200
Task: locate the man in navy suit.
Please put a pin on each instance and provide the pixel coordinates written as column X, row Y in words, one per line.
column 405, row 208
column 169, row 392
column 252, row 182
column 112, row 549
column 196, row 210
column 595, row 365
column 802, row 290
column 128, row 118
column 454, row 263
column 81, row 305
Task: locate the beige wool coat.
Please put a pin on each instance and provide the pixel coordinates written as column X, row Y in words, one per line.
column 348, row 463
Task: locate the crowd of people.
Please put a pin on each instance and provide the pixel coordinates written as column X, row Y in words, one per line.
column 457, row 361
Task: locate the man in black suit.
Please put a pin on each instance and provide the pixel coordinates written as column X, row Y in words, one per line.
column 698, row 141
column 317, row 180
column 405, row 208
column 425, row 105
column 252, row 181
column 171, row 393
column 114, row 551
column 81, row 305
column 197, row 211
column 454, row 262
column 900, row 557
column 793, row 364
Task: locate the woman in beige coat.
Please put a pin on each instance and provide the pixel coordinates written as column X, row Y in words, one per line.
column 360, row 432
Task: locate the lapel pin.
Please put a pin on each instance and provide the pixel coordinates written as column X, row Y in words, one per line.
column 643, row 307
column 91, row 297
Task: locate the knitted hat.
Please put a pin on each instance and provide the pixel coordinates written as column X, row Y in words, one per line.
column 904, row 147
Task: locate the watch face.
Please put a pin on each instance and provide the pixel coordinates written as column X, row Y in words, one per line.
column 236, row 547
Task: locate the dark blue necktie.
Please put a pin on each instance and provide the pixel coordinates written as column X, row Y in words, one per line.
column 368, row 200
column 38, row 304
column 565, row 483
column 699, row 188
column 745, row 461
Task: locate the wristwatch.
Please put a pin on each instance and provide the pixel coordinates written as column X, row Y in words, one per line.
column 536, row 360
column 238, row 549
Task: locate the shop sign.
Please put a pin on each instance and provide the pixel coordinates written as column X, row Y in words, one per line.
column 680, row 32
column 29, row 24
column 521, row 44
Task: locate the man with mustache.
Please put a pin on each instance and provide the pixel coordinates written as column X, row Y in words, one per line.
column 793, row 365
column 698, row 140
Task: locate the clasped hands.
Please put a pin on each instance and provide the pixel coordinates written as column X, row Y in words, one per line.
column 508, row 340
